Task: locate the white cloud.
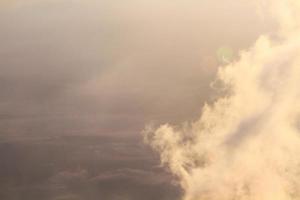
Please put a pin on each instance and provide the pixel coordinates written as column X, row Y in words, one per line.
column 246, row 144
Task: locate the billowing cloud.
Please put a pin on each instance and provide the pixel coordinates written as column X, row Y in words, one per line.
column 246, row 144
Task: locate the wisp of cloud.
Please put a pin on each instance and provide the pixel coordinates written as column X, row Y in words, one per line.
column 246, row 145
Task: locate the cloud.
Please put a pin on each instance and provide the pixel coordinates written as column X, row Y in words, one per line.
column 245, row 144
column 81, row 167
column 136, row 175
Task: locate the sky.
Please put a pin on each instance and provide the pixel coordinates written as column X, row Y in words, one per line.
column 80, row 80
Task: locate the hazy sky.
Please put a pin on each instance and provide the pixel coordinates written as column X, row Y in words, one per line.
column 105, row 68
